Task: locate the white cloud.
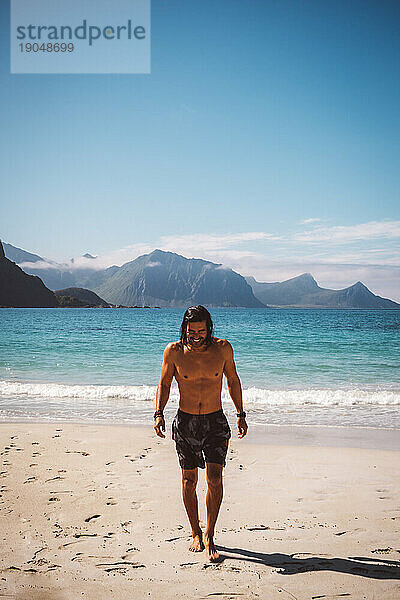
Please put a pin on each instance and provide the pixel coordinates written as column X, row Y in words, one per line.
column 311, row 220
column 361, row 257
column 198, row 243
column 349, row 233
column 116, row 257
column 43, row 264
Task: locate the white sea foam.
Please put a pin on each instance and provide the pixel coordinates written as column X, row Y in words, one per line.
column 254, row 397
column 90, row 392
column 322, row 397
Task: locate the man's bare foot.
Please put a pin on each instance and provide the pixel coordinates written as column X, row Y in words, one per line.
column 197, row 544
column 211, row 550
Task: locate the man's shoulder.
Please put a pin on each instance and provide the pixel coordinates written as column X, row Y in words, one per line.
column 173, row 347
column 222, row 344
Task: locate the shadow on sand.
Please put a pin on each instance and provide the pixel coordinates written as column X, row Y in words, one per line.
column 288, row 564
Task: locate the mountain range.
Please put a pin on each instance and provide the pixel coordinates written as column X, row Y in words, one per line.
column 167, row 279
column 160, row 278
column 303, row 291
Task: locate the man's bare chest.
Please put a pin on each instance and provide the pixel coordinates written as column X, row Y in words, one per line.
column 204, row 365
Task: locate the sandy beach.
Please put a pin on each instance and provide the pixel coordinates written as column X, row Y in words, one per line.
column 95, row 511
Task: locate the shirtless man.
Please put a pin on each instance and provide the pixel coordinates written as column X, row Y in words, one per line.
column 200, row 429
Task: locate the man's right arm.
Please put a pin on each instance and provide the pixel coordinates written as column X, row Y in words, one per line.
column 163, row 389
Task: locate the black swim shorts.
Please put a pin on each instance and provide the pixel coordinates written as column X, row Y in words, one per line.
column 201, row 438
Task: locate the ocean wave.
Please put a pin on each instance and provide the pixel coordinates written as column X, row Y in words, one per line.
column 63, row 390
column 322, row 397
column 254, row 398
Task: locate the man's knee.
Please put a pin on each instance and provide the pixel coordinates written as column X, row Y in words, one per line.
column 189, row 479
column 214, row 474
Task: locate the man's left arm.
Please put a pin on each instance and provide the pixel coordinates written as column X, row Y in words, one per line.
column 234, row 387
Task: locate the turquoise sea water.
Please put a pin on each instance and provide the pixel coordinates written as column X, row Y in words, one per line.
column 332, row 367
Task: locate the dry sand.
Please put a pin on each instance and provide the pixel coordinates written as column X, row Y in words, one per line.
column 91, row 511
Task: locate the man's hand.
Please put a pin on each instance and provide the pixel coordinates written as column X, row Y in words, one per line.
column 242, row 426
column 159, row 426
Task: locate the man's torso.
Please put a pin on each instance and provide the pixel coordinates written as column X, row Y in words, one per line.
column 199, row 376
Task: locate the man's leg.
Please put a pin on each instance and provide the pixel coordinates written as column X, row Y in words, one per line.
column 189, row 483
column 213, row 503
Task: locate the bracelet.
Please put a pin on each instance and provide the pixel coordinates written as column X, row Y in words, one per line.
column 241, row 414
column 159, row 413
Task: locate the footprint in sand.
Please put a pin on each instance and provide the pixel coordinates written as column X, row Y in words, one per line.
column 128, row 551
column 382, row 550
column 68, row 544
column 143, row 454
column 335, row 596
column 77, row 556
column 111, row 502
column 58, row 530
column 88, row 519
column 13, row 568
column 121, row 566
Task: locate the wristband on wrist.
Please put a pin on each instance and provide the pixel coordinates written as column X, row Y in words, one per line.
column 158, row 413
column 241, row 414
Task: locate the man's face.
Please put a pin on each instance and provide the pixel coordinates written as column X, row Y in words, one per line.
column 196, row 334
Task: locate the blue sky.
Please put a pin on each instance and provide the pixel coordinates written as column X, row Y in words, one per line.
column 266, row 137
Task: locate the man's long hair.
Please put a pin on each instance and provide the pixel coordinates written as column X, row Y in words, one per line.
column 195, row 314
